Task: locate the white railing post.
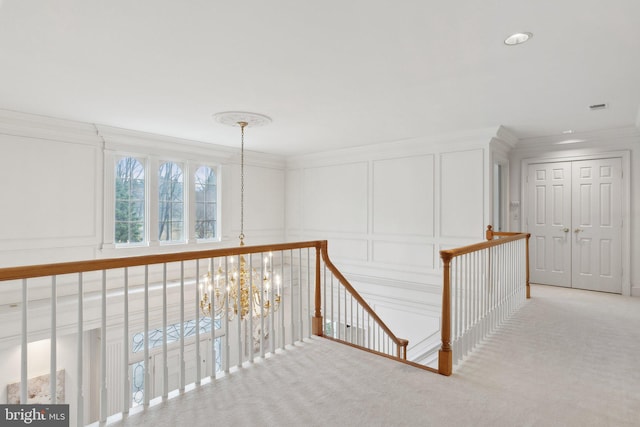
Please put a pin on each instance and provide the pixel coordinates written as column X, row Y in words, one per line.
column 54, row 342
column 147, row 368
column 165, row 366
column 24, row 345
column 126, row 380
column 80, row 358
column 197, row 317
column 103, row 351
column 182, row 329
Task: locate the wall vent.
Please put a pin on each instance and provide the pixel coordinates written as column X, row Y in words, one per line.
column 598, row 107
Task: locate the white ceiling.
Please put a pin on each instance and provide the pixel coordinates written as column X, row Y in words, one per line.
column 331, row 73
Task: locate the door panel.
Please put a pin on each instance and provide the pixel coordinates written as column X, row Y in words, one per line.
column 597, row 225
column 548, row 222
column 575, row 219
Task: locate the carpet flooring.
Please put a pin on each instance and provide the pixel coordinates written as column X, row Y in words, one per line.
column 566, row 358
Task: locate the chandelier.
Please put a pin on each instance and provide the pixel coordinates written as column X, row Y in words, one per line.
column 236, row 288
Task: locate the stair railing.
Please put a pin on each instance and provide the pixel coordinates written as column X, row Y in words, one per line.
column 347, row 316
column 483, row 284
column 161, row 292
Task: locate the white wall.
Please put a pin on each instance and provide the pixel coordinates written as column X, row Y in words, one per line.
column 52, row 179
column 39, row 364
column 387, row 210
column 600, row 143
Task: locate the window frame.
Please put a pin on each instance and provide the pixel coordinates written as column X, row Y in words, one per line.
column 151, row 164
column 144, row 162
column 185, row 203
column 217, row 227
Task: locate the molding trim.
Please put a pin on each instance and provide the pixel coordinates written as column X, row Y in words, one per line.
column 588, row 138
column 48, row 128
column 118, row 139
column 454, row 141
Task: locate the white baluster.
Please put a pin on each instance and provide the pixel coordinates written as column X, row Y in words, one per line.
column 251, row 303
column 182, row 329
column 103, row 351
column 54, row 342
column 197, row 317
column 24, row 345
column 126, row 384
column 239, row 305
column 147, row 368
column 165, row 365
column 80, row 358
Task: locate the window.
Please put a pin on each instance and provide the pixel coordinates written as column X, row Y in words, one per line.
column 173, row 198
column 156, row 339
column 206, row 203
column 170, row 203
column 130, row 201
column 156, row 336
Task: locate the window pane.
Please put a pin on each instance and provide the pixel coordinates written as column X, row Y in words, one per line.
column 205, row 203
column 177, row 211
column 171, row 203
column 210, row 209
column 130, row 201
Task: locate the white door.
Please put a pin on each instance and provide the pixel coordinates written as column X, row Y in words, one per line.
column 574, row 216
column 597, row 225
column 549, row 222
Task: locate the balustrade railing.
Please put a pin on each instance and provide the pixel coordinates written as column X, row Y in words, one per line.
column 483, row 284
column 349, row 319
column 142, row 331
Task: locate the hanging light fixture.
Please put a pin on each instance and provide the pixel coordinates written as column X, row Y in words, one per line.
column 239, row 290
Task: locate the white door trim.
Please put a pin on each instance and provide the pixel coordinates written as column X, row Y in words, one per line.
column 625, row 156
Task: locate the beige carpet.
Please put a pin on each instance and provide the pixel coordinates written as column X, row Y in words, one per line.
column 567, row 358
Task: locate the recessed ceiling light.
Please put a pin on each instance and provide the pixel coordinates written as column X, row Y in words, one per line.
column 567, row 132
column 517, row 38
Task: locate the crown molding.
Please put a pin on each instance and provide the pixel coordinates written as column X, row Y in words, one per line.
column 447, row 142
column 119, row 139
column 582, row 138
column 15, row 123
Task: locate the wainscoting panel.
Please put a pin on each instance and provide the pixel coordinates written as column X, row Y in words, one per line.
column 335, row 198
column 403, row 196
column 462, row 193
column 403, row 253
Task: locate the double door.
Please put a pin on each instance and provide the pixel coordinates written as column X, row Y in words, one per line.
column 574, row 215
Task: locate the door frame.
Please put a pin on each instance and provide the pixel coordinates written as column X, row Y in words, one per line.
column 625, row 156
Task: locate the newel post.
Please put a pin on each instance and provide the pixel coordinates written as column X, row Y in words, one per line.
column 528, row 287
column 489, row 232
column 316, row 323
column 445, row 356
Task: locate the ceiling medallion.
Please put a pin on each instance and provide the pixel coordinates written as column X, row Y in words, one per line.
column 234, row 118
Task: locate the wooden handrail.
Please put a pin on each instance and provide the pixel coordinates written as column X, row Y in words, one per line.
column 42, row 270
column 452, row 253
column 490, row 233
column 400, row 342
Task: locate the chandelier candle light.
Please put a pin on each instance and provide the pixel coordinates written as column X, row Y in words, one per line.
column 237, row 289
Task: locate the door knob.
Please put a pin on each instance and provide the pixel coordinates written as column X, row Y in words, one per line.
column 577, row 230
column 566, row 230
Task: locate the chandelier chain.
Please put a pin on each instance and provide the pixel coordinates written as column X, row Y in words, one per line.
column 242, row 126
